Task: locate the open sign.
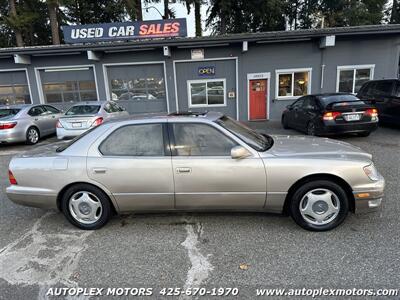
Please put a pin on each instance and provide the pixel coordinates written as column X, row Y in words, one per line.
column 206, row 71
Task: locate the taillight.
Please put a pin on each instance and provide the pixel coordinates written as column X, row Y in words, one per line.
column 97, row 122
column 59, row 125
column 373, row 112
column 331, row 115
column 8, row 125
column 12, row 178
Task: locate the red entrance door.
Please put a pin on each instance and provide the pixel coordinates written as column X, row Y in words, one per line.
column 258, row 99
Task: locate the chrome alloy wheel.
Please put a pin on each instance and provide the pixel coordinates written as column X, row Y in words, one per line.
column 85, row 207
column 33, row 136
column 319, row 206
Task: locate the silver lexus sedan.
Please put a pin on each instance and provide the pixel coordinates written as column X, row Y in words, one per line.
column 196, row 162
column 27, row 122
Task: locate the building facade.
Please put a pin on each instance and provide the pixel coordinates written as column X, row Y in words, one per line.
column 247, row 76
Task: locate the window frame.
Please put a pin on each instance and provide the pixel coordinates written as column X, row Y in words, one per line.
column 166, row 142
column 353, row 68
column 174, row 153
column 292, row 72
column 189, row 82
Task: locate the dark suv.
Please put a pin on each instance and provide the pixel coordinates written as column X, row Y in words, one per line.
column 385, row 95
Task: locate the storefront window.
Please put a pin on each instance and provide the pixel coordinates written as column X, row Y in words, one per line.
column 350, row 79
column 151, row 88
column 70, row 91
column 206, row 92
column 14, row 94
column 293, row 83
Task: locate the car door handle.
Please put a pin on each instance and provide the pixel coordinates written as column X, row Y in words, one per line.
column 100, row 170
column 183, row 170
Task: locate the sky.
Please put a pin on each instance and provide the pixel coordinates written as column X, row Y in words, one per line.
column 180, row 12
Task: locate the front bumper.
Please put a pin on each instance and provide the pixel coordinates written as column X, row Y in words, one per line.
column 369, row 197
column 35, row 197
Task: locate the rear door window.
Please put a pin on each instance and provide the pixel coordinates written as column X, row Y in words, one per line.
column 52, row 109
column 134, row 140
column 37, row 111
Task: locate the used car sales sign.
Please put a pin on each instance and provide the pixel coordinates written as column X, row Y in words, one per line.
column 124, row 31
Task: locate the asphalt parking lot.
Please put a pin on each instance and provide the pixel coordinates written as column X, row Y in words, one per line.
column 40, row 249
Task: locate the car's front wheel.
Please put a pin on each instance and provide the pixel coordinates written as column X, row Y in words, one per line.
column 284, row 121
column 319, row 205
column 86, row 206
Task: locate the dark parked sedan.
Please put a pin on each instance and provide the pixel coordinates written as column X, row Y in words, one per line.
column 328, row 114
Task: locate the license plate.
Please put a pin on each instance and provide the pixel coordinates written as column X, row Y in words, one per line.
column 77, row 124
column 352, row 117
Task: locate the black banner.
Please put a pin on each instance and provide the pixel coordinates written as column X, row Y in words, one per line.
column 124, row 31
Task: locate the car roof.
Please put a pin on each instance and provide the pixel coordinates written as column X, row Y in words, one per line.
column 181, row 116
column 90, row 103
column 386, row 79
column 20, row 106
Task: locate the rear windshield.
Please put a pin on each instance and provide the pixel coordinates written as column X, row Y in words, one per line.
column 77, row 138
column 83, row 110
column 341, row 100
column 8, row 112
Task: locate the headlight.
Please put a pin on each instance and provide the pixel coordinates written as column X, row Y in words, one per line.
column 371, row 172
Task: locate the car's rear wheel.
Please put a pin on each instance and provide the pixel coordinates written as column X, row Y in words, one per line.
column 32, row 136
column 284, row 122
column 319, row 205
column 86, row 206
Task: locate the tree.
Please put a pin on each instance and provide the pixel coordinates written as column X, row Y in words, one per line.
column 134, row 9
column 13, row 21
column 90, row 12
column 197, row 14
column 395, row 12
column 53, row 16
column 231, row 16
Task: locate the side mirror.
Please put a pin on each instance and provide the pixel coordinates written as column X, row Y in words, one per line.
column 239, row 152
column 289, row 107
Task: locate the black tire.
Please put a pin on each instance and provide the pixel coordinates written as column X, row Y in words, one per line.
column 106, row 209
column 315, row 185
column 30, row 140
column 284, row 123
column 310, row 128
column 364, row 134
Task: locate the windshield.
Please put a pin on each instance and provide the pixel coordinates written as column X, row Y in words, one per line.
column 83, row 110
column 257, row 141
column 7, row 112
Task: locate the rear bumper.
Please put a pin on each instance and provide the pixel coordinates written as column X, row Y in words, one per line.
column 369, row 197
column 12, row 136
column 329, row 127
column 35, row 197
column 63, row 133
